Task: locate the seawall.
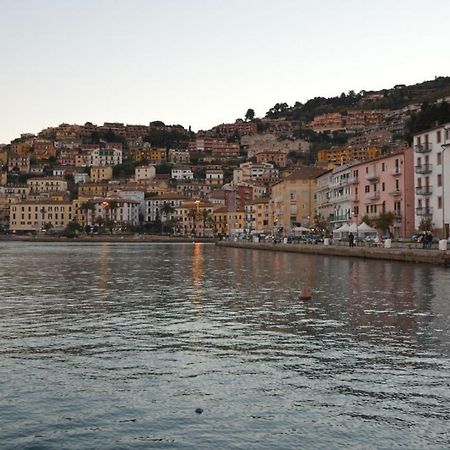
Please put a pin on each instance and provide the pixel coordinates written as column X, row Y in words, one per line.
column 393, row 254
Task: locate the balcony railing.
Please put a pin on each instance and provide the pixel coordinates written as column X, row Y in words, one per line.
column 396, row 171
column 353, row 180
column 424, row 190
column 424, row 168
column 424, row 211
column 373, row 195
column 423, row 148
column 396, row 193
column 373, row 176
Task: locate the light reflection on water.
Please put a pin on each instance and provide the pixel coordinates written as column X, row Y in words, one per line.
column 115, row 345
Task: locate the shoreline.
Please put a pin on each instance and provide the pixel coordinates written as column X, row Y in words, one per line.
column 436, row 257
column 136, row 239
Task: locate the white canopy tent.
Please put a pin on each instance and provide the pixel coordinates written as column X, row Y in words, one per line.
column 366, row 230
column 341, row 232
column 299, row 231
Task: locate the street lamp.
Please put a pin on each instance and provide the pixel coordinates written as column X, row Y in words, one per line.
column 355, row 215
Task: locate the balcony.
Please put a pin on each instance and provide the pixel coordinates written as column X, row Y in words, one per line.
column 353, row 180
column 423, row 148
column 396, row 193
column 338, row 217
column 397, row 171
column 424, row 168
column 373, row 195
column 373, row 176
column 424, row 190
column 424, row 211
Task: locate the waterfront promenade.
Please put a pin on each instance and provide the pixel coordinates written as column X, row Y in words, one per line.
column 404, row 254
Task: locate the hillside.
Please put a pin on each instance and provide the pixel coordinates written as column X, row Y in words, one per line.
column 393, row 98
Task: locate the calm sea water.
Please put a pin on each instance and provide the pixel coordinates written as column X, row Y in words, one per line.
column 114, row 346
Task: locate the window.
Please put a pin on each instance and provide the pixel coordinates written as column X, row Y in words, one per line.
column 439, row 158
column 438, row 136
column 397, row 184
column 383, row 167
column 439, row 202
column 367, row 188
column 383, row 187
column 439, row 180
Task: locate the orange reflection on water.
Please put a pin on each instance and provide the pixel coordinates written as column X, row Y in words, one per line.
column 197, row 273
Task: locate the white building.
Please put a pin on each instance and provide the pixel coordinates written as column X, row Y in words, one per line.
column 118, row 210
column 47, row 184
column 214, row 177
column 104, row 157
column 154, row 206
column 182, row 174
column 431, row 180
column 80, row 177
column 249, row 171
column 144, row 173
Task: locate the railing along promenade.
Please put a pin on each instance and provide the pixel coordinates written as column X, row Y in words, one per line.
column 400, row 251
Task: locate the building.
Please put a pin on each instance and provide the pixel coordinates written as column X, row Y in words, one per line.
column 144, row 173
column 104, row 157
column 257, row 216
column 182, row 174
column 154, row 206
column 87, row 190
column 18, row 163
column 347, row 155
column 431, row 181
column 228, row 221
column 35, row 216
column 101, row 173
column 214, row 177
column 47, row 184
column 239, row 127
column 385, row 184
column 328, row 123
column 179, row 156
column 115, row 210
column 249, row 172
column 292, row 200
column 194, row 217
column 194, row 189
column 277, row 158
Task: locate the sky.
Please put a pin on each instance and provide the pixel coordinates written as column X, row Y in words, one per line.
column 203, row 62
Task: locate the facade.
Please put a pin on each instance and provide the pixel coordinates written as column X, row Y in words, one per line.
column 86, row 190
column 214, row 177
column 194, row 217
column 249, row 172
column 104, row 157
column 18, row 163
column 101, row 173
column 347, row 155
column 34, row 216
column 47, row 184
column 229, row 222
column 144, row 173
column 114, row 209
column 154, row 207
column 257, row 216
column 179, row 156
column 292, row 200
column 278, row 158
column 432, row 178
column 182, row 174
column 385, row 184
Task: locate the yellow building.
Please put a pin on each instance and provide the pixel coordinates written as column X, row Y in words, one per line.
column 33, row 216
column 195, row 217
column 257, row 216
column 47, row 184
column 101, row 173
column 229, row 222
column 93, row 189
column 346, row 155
column 292, row 200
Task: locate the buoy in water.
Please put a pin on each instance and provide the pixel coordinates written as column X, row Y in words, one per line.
column 305, row 293
column 199, row 410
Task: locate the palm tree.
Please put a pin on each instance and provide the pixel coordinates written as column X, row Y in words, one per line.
column 192, row 214
column 87, row 207
column 166, row 209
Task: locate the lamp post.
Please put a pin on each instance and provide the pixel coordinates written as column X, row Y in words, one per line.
column 355, row 215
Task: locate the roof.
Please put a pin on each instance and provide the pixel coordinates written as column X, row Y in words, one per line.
column 305, row 173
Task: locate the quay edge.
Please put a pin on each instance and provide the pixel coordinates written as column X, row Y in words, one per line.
column 436, row 257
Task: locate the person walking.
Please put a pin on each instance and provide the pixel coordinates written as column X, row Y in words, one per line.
column 351, row 240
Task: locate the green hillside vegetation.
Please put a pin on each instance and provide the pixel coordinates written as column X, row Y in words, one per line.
column 394, row 98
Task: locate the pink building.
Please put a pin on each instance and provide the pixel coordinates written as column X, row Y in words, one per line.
column 385, row 184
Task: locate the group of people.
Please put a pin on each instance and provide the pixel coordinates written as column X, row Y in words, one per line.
column 426, row 238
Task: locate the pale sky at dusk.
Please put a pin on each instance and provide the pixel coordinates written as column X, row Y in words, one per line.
column 204, row 62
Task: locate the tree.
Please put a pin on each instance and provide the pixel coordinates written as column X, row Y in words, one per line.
column 88, row 208
column 426, row 224
column 384, row 221
column 250, row 114
column 166, row 210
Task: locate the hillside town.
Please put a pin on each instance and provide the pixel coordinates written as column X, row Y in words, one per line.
column 254, row 176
